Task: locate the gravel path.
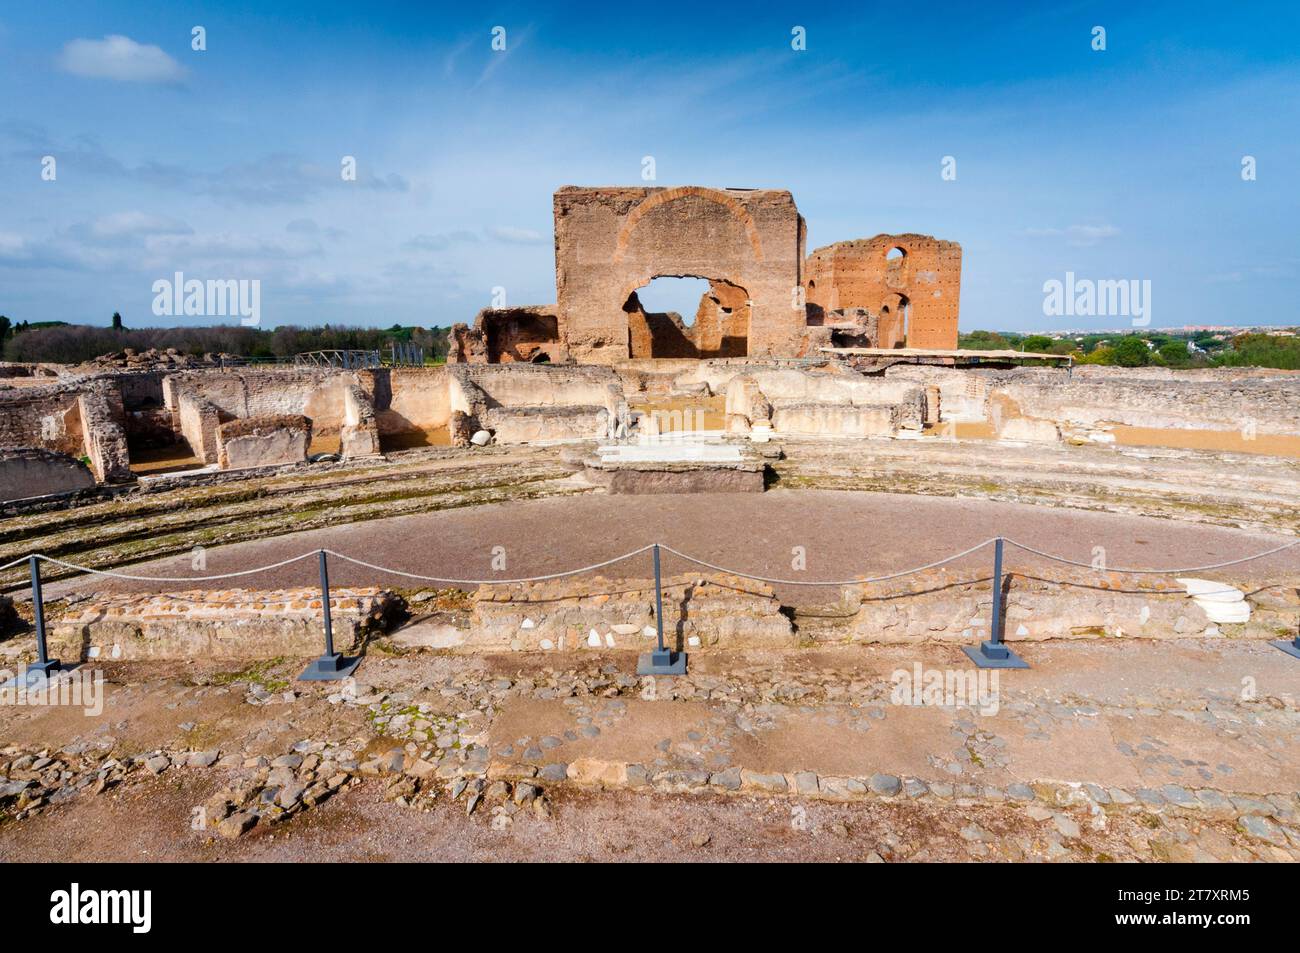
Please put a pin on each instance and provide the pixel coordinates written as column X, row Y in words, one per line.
column 843, row 534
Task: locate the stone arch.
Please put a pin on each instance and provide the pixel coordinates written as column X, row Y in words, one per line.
column 652, row 202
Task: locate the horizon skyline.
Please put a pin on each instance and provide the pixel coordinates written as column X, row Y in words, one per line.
column 224, row 163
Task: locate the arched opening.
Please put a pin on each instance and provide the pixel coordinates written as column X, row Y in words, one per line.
column 677, row 316
column 670, row 294
column 896, row 253
column 895, row 314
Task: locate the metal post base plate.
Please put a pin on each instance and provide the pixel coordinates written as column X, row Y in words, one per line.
column 994, row 655
column 329, row 668
column 661, row 663
column 46, row 668
column 37, row 674
column 1290, row 648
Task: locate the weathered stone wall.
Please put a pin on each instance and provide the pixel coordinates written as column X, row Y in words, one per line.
column 102, row 421
column 406, row 399
column 45, row 416
column 263, row 441
column 30, row 471
column 262, row 392
column 823, row 403
column 79, row 417
column 715, row 611
column 359, row 435
column 1047, row 604
column 235, row 623
column 525, row 403
column 611, row 241
column 197, row 421
column 860, row 274
column 1092, row 397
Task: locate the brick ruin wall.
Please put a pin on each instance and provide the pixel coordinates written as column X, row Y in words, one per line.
column 921, row 287
column 611, row 241
column 508, row 336
column 80, row 418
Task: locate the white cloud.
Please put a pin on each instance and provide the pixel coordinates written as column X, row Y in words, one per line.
column 120, row 58
column 121, row 224
column 516, row 236
column 1077, row 235
column 12, row 247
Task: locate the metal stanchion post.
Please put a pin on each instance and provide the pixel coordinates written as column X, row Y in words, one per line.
column 661, row 661
column 331, row 666
column 994, row 652
column 44, row 666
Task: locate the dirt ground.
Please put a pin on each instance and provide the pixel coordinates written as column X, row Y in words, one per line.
column 843, row 534
column 1199, row 736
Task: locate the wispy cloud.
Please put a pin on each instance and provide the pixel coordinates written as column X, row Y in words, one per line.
column 119, row 58
column 1080, row 236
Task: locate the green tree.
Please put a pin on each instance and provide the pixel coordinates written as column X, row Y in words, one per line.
column 4, row 327
column 1132, row 351
column 117, row 321
column 1175, row 353
column 1037, row 343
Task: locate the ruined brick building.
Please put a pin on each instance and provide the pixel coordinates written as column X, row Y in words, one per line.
column 766, row 298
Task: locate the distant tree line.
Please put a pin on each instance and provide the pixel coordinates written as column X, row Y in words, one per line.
column 1152, row 348
column 60, row 343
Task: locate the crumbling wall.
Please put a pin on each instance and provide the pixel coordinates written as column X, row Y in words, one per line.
column 713, row 611
column 409, row 399
column 915, row 294
column 943, row 606
column 611, row 241
column 47, row 416
column 359, row 435
column 31, row 471
column 1093, row 398
column 811, row 403
column 317, row 393
column 507, row 336
column 102, row 422
column 232, row 623
column 263, row 441
column 525, row 403
column 197, row 421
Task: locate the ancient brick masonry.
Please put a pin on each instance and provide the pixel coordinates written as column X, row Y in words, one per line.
column 611, row 241
column 763, row 300
column 915, row 293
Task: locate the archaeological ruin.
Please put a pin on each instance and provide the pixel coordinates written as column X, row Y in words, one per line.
column 803, row 473
column 851, row 341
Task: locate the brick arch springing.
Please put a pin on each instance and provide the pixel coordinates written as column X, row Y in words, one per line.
column 652, row 202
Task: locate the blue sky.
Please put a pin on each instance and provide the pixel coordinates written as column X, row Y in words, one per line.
column 225, row 163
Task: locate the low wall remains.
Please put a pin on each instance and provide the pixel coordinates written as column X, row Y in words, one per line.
column 717, row 611
column 30, row 471
column 823, row 404
column 1095, row 398
column 263, row 441
column 234, row 623
column 702, row 612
